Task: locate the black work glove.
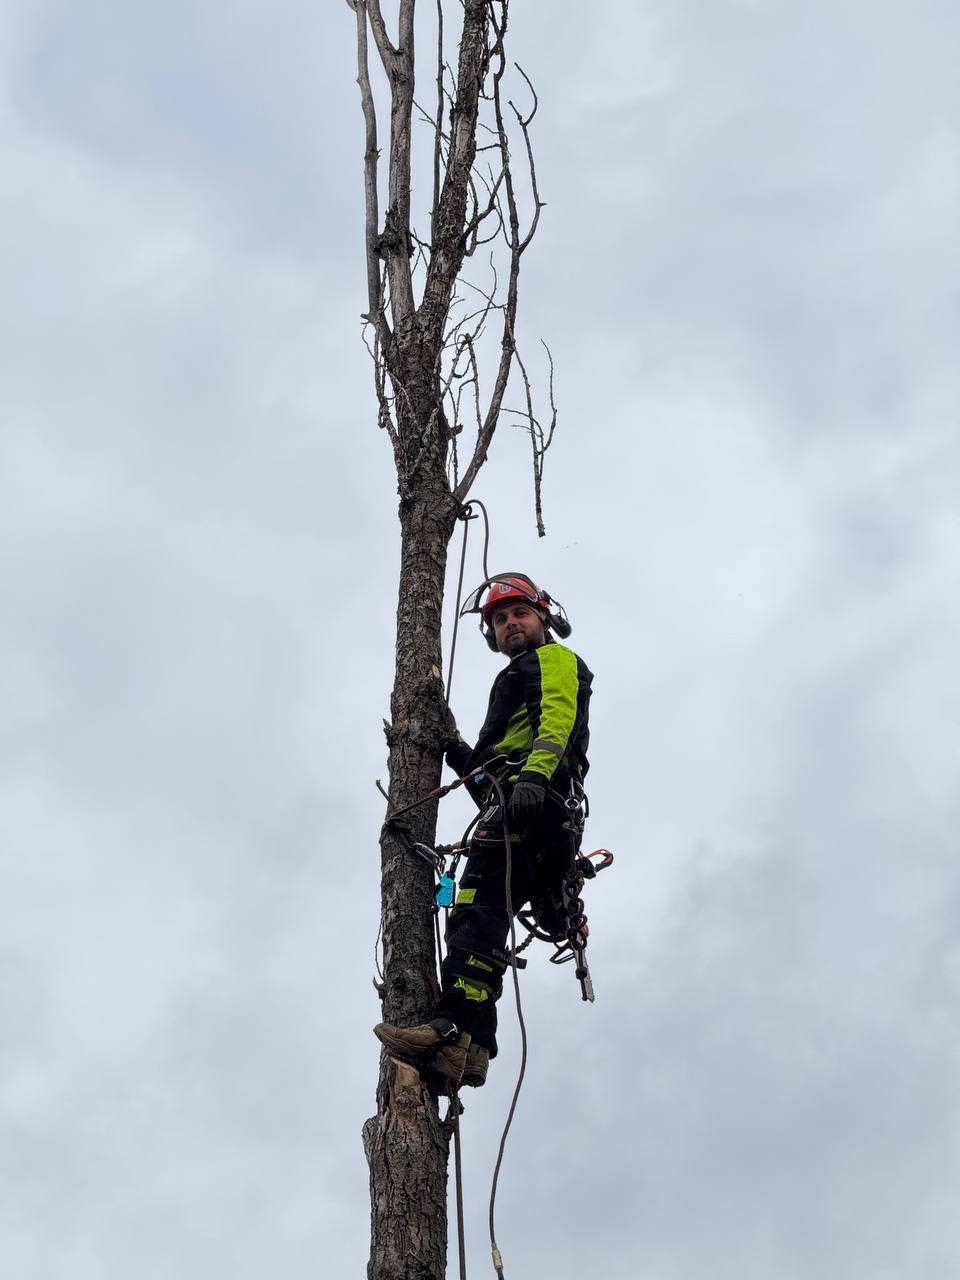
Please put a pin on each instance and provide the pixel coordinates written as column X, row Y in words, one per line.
column 526, row 803
column 457, row 753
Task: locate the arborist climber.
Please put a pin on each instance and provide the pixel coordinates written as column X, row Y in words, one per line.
column 534, row 739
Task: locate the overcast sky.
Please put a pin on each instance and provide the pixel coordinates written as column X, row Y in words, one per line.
column 749, row 275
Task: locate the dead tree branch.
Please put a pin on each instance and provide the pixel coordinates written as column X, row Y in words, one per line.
column 438, row 135
column 371, row 156
column 448, row 238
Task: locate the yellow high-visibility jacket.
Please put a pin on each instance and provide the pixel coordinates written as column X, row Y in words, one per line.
column 536, row 718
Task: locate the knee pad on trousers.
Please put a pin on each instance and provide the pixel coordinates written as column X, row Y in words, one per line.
column 477, row 975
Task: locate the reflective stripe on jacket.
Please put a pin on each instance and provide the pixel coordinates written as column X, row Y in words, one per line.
column 537, row 715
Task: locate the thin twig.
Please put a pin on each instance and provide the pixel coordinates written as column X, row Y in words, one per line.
column 524, row 122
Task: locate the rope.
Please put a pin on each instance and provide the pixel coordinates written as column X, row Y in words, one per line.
column 495, row 1252
column 456, row 615
column 466, row 515
column 458, row 1167
column 454, row 1092
column 436, row 794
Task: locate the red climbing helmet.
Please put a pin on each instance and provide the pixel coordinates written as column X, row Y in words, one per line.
column 503, row 588
column 513, row 587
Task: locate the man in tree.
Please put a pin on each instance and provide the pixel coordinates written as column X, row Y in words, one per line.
column 534, row 742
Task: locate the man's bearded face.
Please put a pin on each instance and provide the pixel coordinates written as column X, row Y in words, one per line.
column 517, row 626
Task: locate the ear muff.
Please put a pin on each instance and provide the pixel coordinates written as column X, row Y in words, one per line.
column 558, row 621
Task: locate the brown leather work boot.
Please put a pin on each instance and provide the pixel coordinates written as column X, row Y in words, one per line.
column 438, row 1044
column 475, row 1070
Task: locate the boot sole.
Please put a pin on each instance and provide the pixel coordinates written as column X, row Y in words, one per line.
column 402, row 1049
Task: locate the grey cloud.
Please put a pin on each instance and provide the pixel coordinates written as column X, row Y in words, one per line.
column 232, row 99
column 751, row 508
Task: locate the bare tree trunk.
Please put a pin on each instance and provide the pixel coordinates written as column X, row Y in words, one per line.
column 426, row 372
column 407, row 1143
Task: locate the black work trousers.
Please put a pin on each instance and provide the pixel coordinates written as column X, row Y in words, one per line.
column 471, row 975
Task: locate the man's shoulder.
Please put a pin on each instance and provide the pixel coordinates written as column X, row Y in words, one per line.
column 555, row 654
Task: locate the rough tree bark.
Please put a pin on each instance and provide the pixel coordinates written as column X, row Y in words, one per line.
column 427, row 353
